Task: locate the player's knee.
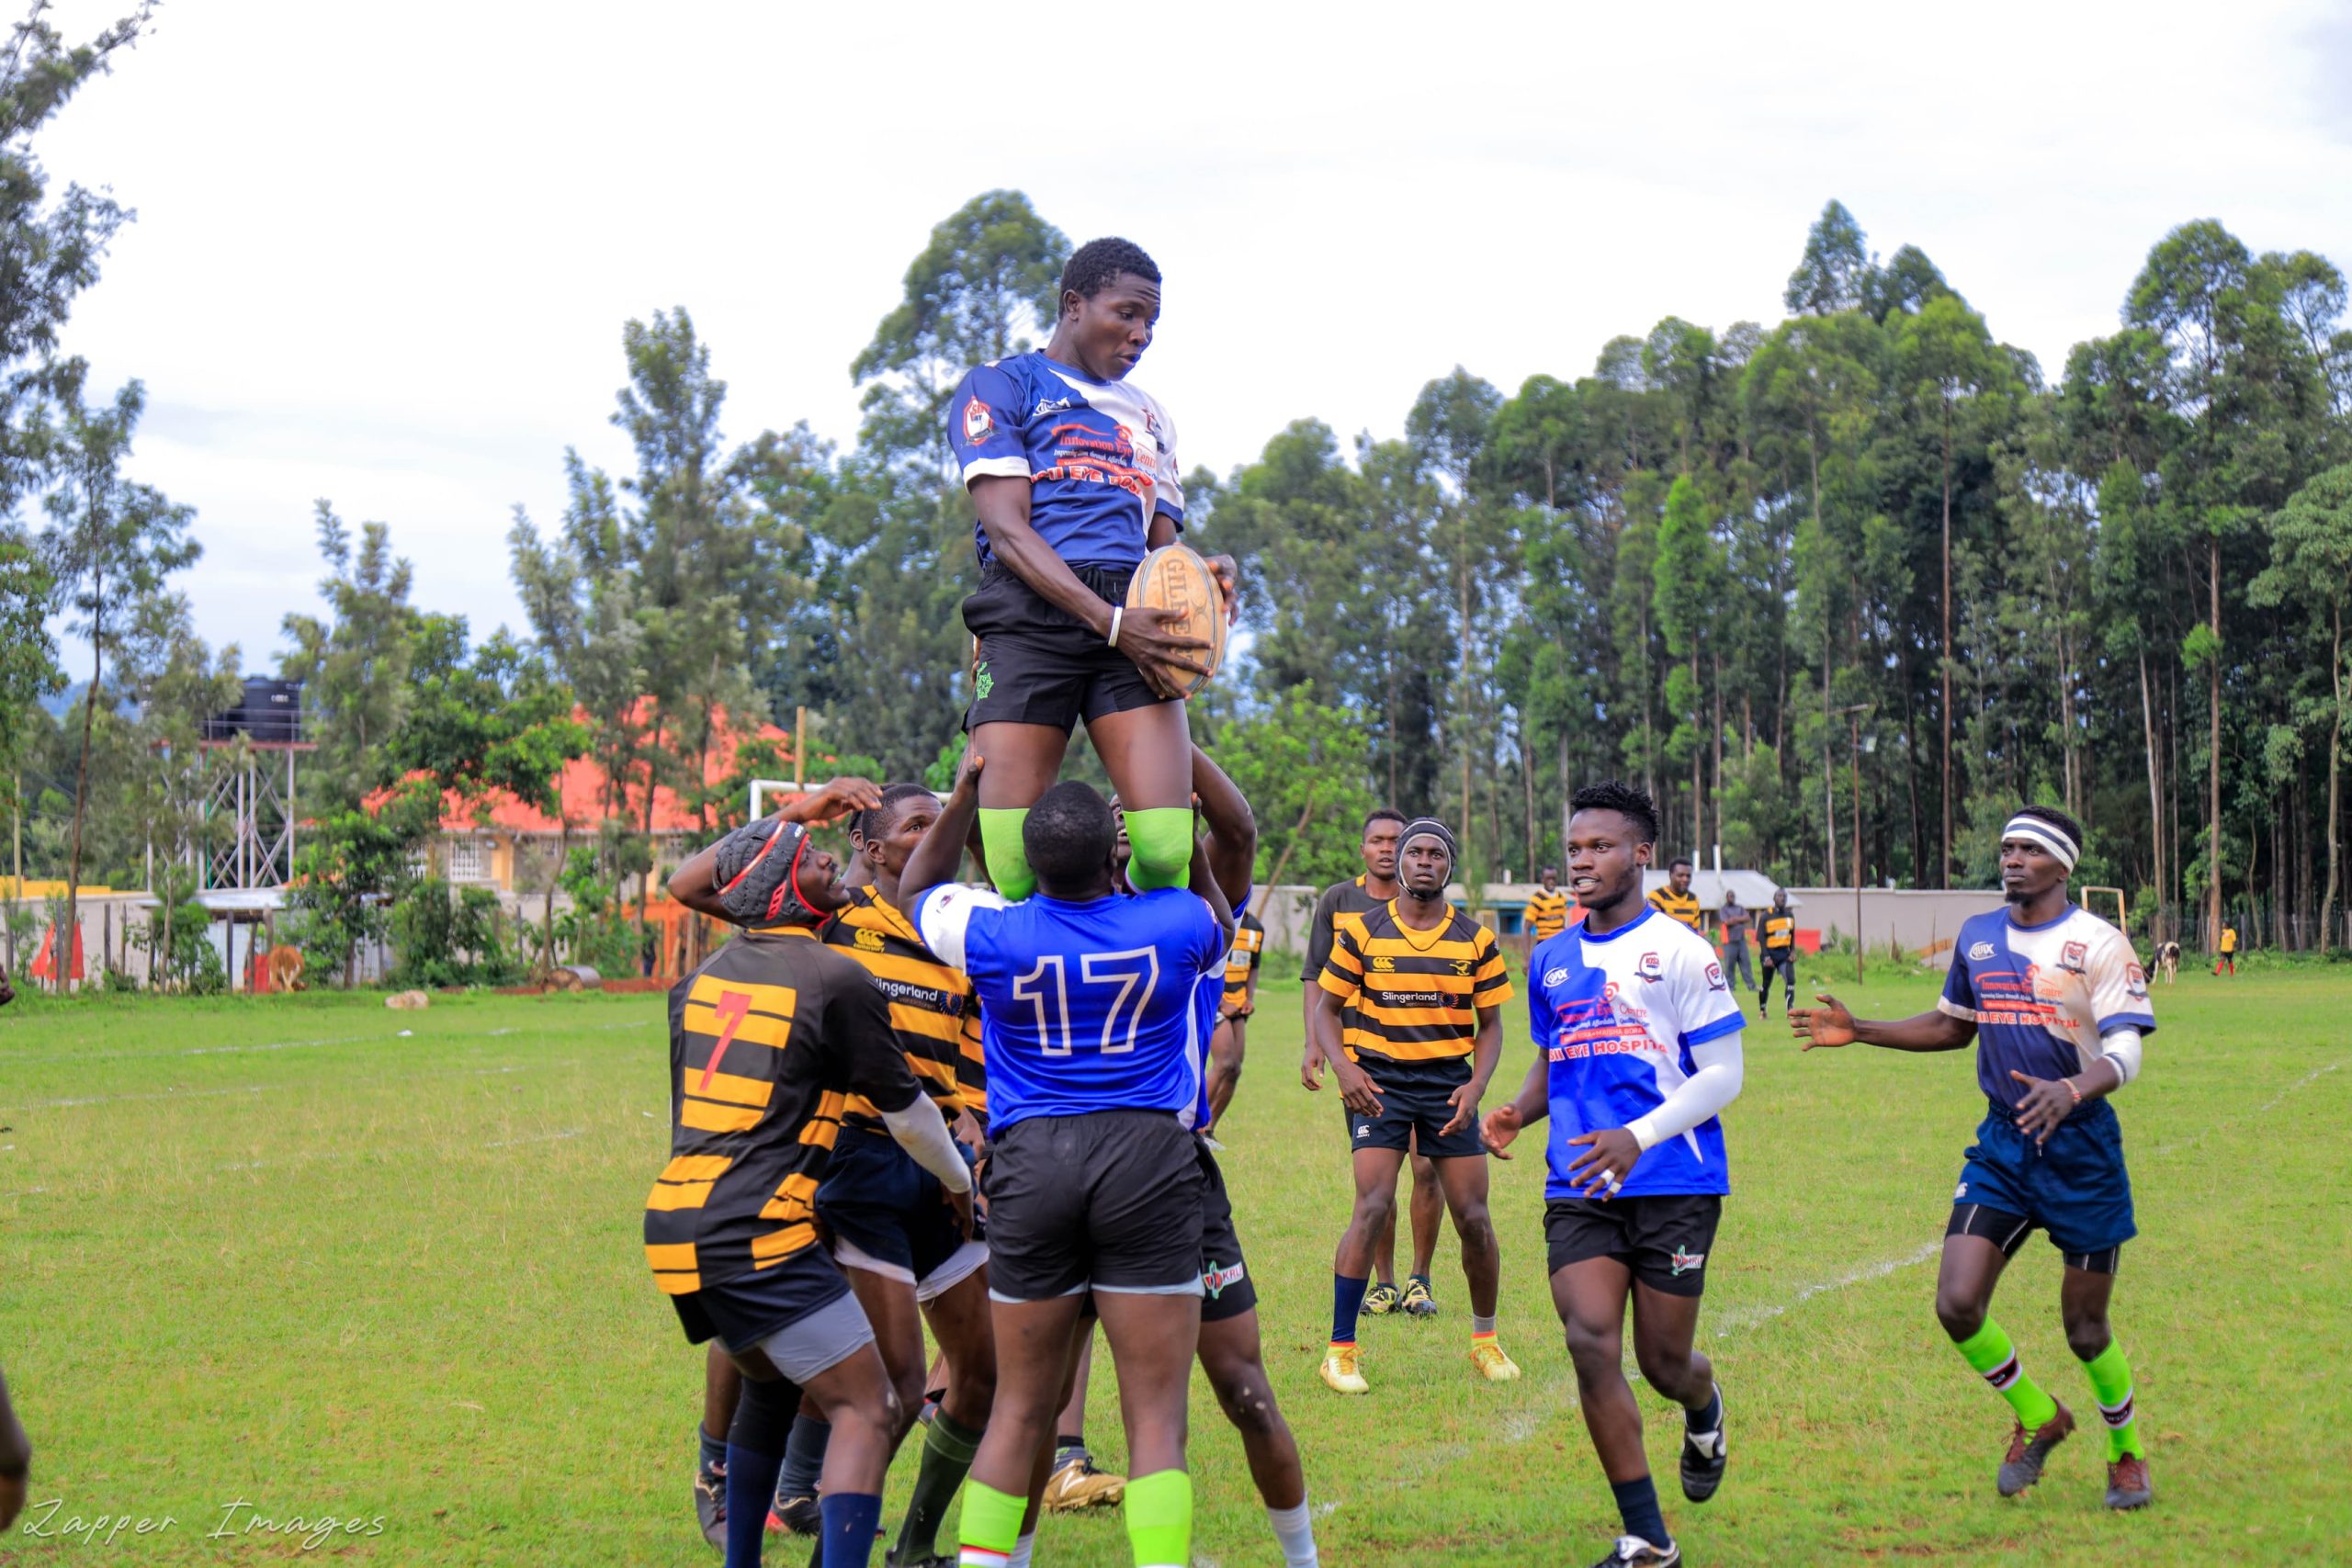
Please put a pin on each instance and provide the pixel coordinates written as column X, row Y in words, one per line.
column 1593, row 1349
column 1246, row 1397
column 1665, row 1368
column 1375, row 1208
column 1960, row 1315
column 2088, row 1337
column 1475, row 1227
column 1161, row 840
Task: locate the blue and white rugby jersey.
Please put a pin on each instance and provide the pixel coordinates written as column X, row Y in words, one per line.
column 1084, row 1006
column 2042, row 996
column 1100, row 456
column 1616, row 1017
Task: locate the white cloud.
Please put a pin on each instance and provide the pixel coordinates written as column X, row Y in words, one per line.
column 384, row 253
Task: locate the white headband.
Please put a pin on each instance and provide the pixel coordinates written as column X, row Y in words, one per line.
column 2047, row 835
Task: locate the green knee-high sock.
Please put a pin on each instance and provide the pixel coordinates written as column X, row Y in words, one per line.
column 1159, row 1518
column 992, row 1521
column 1161, row 837
column 2110, row 1377
column 1990, row 1352
column 947, row 1450
column 1007, row 861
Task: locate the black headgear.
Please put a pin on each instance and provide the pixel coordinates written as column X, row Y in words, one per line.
column 1429, row 828
column 758, row 872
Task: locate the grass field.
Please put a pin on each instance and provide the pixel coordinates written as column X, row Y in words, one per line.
column 282, row 1253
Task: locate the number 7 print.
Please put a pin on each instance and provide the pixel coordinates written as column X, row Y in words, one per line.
column 730, row 1009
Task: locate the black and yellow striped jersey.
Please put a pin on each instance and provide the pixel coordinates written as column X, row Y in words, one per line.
column 1241, row 964
column 1416, row 994
column 933, row 1014
column 1778, row 929
column 1341, row 902
column 1547, row 912
column 1684, row 907
column 768, row 1040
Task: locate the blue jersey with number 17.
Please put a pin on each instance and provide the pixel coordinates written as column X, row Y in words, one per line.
column 1085, row 1006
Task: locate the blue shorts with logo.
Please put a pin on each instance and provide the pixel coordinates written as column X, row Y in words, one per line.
column 2074, row 1187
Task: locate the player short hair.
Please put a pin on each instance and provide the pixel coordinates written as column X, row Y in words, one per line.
column 1612, row 794
column 876, row 817
column 1068, row 835
column 1096, row 264
column 1385, row 814
column 2056, row 819
column 1678, row 862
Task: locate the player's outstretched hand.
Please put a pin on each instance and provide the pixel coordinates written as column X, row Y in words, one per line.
column 1310, row 1068
column 1464, row 1102
column 2046, row 1102
column 1229, row 583
column 962, row 1204
column 1828, row 1024
column 840, row 798
column 1357, row 1091
column 1602, row 1169
column 1163, row 658
column 1500, row 1130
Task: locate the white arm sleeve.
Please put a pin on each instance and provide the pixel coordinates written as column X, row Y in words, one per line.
column 2121, row 1046
column 922, row 1132
column 944, row 918
column 1704, row 1094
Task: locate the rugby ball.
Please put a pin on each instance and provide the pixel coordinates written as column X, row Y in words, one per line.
column 1174, row 577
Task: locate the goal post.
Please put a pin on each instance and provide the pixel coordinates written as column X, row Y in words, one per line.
column 2096, row 899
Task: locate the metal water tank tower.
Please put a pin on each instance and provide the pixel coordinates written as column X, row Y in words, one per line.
column 243, row 780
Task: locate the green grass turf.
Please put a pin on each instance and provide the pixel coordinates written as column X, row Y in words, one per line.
column 271, row 1251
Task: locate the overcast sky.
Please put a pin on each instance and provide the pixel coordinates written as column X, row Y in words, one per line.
column 384, row 252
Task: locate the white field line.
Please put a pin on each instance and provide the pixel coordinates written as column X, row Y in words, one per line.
column 2265, row 1109
column 1730, row 1322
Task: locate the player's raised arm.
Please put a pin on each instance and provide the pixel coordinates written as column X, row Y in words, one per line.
column 934, row 859
column 694, row 884
column 1232, row 842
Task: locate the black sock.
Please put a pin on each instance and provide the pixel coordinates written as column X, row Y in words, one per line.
column 1708, row 1419
column 1637, row 1506
column 1068, row 1441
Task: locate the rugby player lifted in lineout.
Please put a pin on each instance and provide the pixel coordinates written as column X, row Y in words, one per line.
column 1073, row 475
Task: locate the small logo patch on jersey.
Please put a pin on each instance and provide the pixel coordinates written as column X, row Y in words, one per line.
column 1216, row 1277
column 2072, row 957
column 1555, row 976
column 1686, row 1262
column 978, row 424
column 1383, row 964
column 1715, row 976
column 1959, row 1191
column 1649, row 968
column 1980, row 953
column 1045, row 408
column 1461, row 966
column 869, row 941
column 2135, row 982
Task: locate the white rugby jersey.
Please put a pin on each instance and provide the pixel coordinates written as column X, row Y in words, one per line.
column 2042, row 996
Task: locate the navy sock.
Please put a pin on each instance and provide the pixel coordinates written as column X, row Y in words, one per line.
column 712, row 1451
column 751, row 1482
column 804, row 1457
column 1708, row 1420
column 1347, row 1302
column 1636, row 1505
column 850, row 1521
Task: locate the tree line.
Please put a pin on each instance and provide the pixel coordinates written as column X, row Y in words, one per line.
column 1840, row 591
